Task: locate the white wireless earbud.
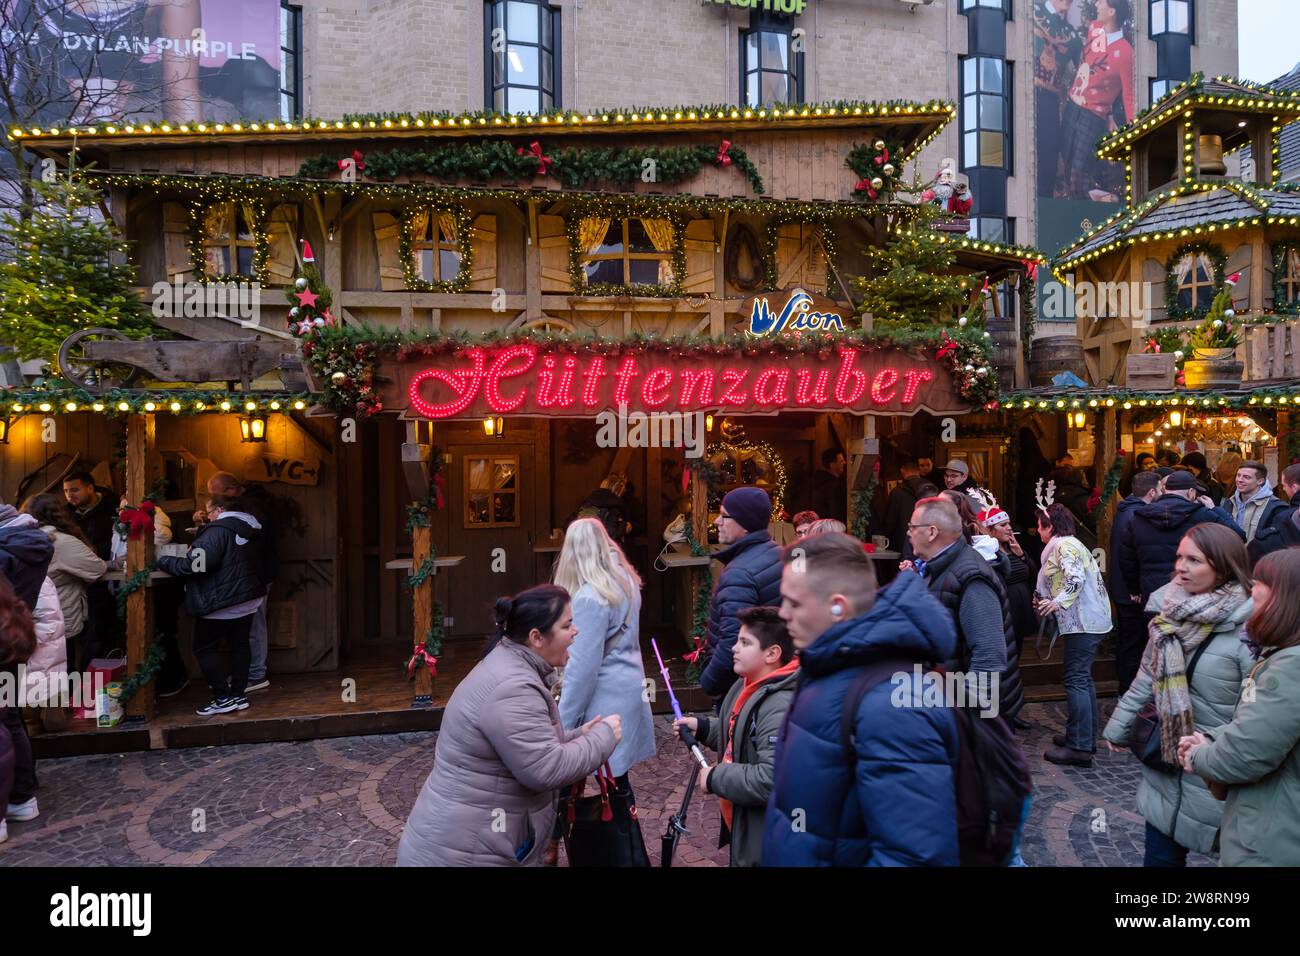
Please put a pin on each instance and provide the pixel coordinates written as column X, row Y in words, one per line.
column 837, row 609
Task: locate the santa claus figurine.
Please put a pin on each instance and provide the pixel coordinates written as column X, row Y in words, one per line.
column 950, row 191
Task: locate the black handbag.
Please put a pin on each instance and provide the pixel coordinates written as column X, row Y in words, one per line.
column 1145, row 738
column 603, row 830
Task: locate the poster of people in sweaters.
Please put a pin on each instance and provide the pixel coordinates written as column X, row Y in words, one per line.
column 1084, row 80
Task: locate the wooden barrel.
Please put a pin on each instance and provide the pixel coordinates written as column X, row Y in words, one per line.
column 1051, row 356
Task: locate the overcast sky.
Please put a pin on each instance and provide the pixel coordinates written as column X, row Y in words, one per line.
column 1266, row 37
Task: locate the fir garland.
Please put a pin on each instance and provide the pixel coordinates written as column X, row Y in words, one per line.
column 261, row 248
column 1110, row 484
column 147, row 671
column 464, row 239
column 575, row 167
column 1281, row 253
column 778, row 469
column 699, row 624
column 1028, row 315
column 59, row 395
column 1217, row 330
column 862, row 505
column 1218, row 262
column 135, row 582
column 427, row 569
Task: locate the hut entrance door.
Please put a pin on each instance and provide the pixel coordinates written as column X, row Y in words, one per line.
column 492, row 492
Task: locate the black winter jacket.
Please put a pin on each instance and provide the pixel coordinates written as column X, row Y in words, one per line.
column 1119, row 529
column 751, row 578
column 948, row 577
column 231, row 565
column 1147, row 550
column 98, row 522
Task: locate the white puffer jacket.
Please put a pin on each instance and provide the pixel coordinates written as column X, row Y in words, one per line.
column 51, row 656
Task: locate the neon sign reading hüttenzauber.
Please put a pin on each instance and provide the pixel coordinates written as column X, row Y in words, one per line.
column 581, row 381
column 797, row 315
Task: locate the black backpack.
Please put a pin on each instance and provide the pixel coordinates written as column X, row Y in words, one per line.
column 992, row 776
column 1276, row 537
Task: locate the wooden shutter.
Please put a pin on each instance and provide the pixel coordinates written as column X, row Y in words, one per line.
column 700, row 257
column 177, row 261
column 553, row 245
column 483, row 250
column 391, row 276
column 282, row 251
column 800, row 258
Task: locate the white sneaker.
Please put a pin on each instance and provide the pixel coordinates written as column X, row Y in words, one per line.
column 22, row 812
column 4, row 830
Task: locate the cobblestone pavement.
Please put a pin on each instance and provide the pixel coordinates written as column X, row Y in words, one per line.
column 343, row 802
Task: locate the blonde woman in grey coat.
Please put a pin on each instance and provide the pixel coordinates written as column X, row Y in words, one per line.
column 1202, row 616
column 502, row 752
column 605, row 673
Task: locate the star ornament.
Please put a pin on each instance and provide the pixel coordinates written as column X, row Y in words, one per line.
column 307, row 298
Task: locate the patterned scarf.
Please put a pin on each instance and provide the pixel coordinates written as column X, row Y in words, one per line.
column 1184, row 623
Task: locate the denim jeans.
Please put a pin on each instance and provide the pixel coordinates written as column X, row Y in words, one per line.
column 257, row 642
column 1162, row 851
column 1081, row 724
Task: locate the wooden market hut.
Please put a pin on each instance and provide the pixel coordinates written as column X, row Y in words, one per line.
column 656, row 226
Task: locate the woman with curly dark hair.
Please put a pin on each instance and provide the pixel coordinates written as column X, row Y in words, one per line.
column 17, row 643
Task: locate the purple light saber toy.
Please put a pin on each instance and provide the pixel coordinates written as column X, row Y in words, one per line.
column 688, row 738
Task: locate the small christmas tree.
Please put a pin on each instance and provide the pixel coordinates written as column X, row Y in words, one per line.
column 312, row 312
column 69, row 272
column 1217, row 330
column 913, row 286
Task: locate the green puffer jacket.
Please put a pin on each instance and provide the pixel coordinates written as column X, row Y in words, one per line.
column 1258, row 757
column 747, row 781
column 1180, row 805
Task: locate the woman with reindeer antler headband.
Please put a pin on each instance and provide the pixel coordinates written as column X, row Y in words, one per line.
column 1072, row 596
column 1018, row 569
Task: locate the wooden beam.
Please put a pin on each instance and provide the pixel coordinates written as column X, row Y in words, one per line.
column 139, row 555
column 422, row 614
column 532, row 267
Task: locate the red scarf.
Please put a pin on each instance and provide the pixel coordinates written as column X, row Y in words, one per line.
column 746, row 692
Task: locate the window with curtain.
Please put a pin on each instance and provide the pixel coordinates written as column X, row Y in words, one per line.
column 1196, row 281
column 290, row 61
column 1288, row 278
column 435, row 245
column 992, row 229
column 627, row 251
column 521, row 56
column 492, row 491
column 229, row 239
column 771, row 63
column 985, row 112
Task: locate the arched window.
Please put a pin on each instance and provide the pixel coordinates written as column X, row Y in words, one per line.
column 1194, row 275
column 1286, row 278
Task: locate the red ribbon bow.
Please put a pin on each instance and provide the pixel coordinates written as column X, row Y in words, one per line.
column 864, row 185
column 883, row 157
column 694, row 655
column 543, row 162
column 138, row 521
column 1151, row 346
column 439, row 483
column 1031, row 270
column 723, row 159
column 948, row 346
column 421, row 655
column 355, row 160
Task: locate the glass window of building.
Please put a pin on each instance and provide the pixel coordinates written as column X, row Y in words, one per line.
column 290, row 62
column 985, row 116
column 1171, row 16
column 771, row 61
column 435, row 245
column 522, row 39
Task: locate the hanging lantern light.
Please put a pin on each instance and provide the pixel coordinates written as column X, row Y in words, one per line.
column 252, row 427
column 1175, row 419
column 494, row 426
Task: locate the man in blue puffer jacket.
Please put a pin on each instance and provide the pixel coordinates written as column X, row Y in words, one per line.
column 751, row 578
column 892, row 801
